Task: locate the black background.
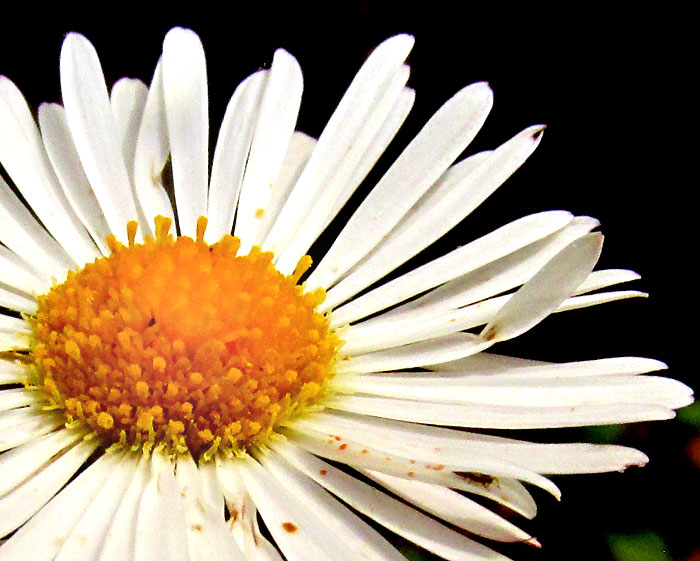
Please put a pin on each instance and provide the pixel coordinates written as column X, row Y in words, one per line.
column 613, row 86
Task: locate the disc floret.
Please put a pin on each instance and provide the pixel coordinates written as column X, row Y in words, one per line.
column 179, row 342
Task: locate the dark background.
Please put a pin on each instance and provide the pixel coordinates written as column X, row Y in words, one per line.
column 613, row 86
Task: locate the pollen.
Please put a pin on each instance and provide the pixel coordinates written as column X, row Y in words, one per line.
column 180, row 342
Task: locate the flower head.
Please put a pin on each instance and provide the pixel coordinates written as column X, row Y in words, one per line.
column 173, row 363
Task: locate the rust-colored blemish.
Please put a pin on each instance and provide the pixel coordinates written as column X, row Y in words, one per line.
column 365, row 451
column 289, row 527
column 323, row 472
column 342, row 447
column 435, row 467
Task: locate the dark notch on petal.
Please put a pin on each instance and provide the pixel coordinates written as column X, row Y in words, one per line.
column 538, row 132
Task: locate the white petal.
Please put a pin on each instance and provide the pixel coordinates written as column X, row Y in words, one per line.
column 187, row 111
column 386, row 118
column 14, row 341
column 55, row 521
column 452, row 507
column 128, row 99
column 231, row 154
column 335, row 143
column 450, row 200
column 506, row 240
column 13, row 372
column 161, row 507
column 24, row 236
column 119, row 540
column 151, row 156
column 28, row 424
column 17, row 397
column 387, row 511
column 94, row 131
column 17, row 302
column 19, row 274
column 86, row 538
column 498, row 417
column 23, row 156
column 425, row 159
column 354, row 534
column 64, row 157
column 24, row 501
column 279, row 109
column 544, row 292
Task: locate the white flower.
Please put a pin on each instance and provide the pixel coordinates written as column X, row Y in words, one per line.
column 104, row 457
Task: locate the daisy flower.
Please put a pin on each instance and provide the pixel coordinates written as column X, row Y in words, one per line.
column 179, row 381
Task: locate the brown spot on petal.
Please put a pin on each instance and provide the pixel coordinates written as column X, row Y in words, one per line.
column 289, row 527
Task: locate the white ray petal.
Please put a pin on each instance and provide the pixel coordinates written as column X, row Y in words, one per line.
column 357, row 536
column 21, row 233
column 335, row 143
column 13, row 372
column 433, row 351
column 506, row 240
column 231, row 154
column 244, row 515
column 19, row 274
column 279, row 109
column 544, row 292
column 298, row 531
column 118, row 544
column 65, row 160
column 207, row 534
column 458, row 444
column 24, row 501
column 496, row 275
column 29, row 425
column 24, row 157
column 423, row 161
column 498, row 417
column 455, row 195
column 161, row 507
column 151, row 155
column 187, row 111
column 382, row 124
column 86, row 539
column 301, row 146
column 404, row 460
column 17, row 397
column 128, row 99
column 94, row 131
column 452, row 507
column 17, row 302
column 55, row 521
column 389, row 512
column 19, row 464
column 13, row 341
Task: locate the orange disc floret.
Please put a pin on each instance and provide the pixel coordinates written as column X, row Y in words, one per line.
column 182, row 342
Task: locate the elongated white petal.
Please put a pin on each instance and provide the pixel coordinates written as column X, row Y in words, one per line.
column 298, row 532
column 336, row 141
column 544, row 292
column 20, row 275
column 151, row 155
column 17, row 302
column 433, row 351
column 29, row 424
column 128, row 99
column 13, row 372
column 55, row 521
column 451, row 507
column 402, row 459
column 389, row 512
column 24, row 157
column 86, row 538
column 64, row 157
column 24, row 236
column 359, row 539
column 161, row 507
column 207, row 534
column 231, row 154
column 496, row 416
column 448, row 202
column 13, row 341
column 425, row 159
column 187, row 111
column 506, row 240
column 17, row 397
column 24, row 501
column 94, row 131
column 118, row 544
column 366, row 148
column 279, row 108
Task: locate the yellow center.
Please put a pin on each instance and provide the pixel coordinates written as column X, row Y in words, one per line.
column 184, row 343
